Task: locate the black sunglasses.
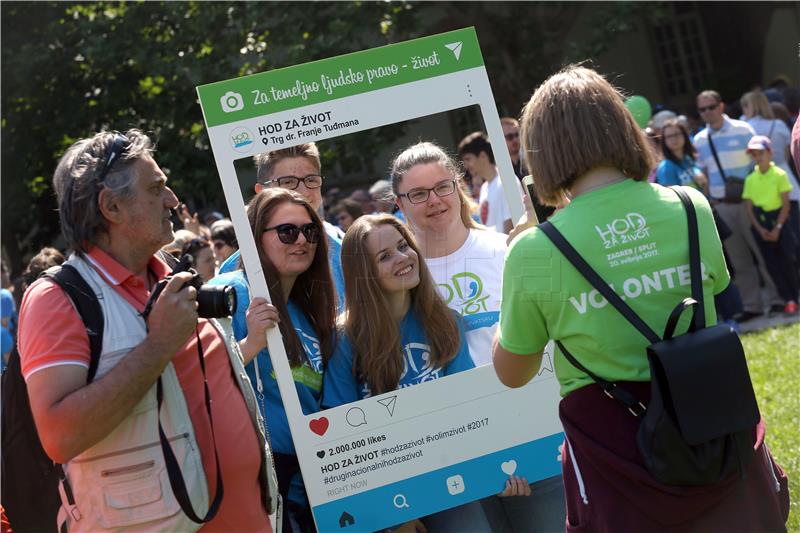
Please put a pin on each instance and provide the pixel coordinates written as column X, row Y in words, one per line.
column 118, row 148
column 288, row 233
column 708, row 108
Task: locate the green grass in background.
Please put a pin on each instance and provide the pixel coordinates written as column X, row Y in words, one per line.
column 773, row 357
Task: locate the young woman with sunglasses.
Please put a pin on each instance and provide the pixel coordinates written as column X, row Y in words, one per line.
column 294, row 258
column 396, row 331
column 466, row 263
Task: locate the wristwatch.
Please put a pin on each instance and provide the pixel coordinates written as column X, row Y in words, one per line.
column 779, row 225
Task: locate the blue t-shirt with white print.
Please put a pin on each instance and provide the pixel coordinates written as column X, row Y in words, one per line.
column 341, row 386
column 334, row 259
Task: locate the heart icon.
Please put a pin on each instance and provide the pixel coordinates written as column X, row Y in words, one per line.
column 509, row 467
column 321, row 454
column 319, row 425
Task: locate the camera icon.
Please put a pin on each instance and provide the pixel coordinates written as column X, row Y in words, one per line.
column 231, row 102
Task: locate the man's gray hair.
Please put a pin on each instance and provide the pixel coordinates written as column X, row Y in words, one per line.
column 77, row 183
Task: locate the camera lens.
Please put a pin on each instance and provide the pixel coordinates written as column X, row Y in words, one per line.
column 216, row 301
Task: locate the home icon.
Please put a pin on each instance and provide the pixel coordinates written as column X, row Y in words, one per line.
column 346, row 520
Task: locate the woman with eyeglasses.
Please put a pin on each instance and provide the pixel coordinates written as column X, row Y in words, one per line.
column 395, row 332
column 679, row 165
column 466, row 263
column 294, row 258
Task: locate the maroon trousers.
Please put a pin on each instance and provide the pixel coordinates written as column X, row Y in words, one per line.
column 608, row 488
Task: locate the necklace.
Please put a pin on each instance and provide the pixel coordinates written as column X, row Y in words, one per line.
column 619, row 179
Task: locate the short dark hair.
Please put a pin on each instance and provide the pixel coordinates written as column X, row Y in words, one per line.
column 222, row 230
column 474, row 144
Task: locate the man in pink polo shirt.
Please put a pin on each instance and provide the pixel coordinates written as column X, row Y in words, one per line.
column 114, row 206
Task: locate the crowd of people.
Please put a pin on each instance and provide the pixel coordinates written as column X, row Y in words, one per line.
column 367, row 292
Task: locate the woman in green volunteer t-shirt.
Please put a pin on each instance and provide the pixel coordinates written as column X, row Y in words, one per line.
column 581, row 141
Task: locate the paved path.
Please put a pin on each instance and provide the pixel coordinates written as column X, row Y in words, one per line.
column 769, row 320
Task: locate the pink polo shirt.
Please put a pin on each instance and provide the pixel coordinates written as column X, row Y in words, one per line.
column 51, row 333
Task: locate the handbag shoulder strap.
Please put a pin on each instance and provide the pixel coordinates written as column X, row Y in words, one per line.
column 714, row 153
column 771, row 128
column 597, row 282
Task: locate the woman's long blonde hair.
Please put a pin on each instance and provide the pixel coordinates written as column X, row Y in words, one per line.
column 368, row 322
column 758, row 103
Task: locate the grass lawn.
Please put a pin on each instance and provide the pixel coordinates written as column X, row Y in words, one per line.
column 773, row 357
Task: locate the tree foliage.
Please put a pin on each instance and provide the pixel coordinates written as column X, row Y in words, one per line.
column 71, row 69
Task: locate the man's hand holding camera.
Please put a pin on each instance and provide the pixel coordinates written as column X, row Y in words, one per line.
column 173, row 316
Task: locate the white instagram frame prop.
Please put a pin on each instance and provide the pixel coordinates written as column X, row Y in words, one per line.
column 391, row 458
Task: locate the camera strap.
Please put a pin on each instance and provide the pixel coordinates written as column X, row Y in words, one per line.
column 176, row 480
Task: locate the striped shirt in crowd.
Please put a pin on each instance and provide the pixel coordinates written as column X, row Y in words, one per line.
column 731, row 144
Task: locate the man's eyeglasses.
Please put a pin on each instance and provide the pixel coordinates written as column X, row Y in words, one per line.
column 312, row 181
column 118, row 148
column 288, row 233
column 421, row 194
column 512, row 136
column 708, row 108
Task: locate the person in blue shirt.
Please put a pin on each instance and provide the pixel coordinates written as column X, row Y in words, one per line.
column 396, row 332
column 297, row 168
column 679, row 166
column 294, row 259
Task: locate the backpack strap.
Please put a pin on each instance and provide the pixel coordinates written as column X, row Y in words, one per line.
column 597, row 282
column 85, row 301
column 699, row 317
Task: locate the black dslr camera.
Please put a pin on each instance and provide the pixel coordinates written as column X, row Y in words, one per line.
column 213, row 301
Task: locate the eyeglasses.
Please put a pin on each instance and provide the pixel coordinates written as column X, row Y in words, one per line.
column 118, row 148
column 288, row 233
column 708, row 108
column 312, row 181
column 512, row 136
column 673, row 136
column 421, row 194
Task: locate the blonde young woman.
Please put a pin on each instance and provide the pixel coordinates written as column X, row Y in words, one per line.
column 396, row 332
column 466, row 260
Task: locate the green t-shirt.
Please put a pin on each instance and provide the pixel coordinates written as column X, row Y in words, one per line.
column 764, row 189
column 635, row 235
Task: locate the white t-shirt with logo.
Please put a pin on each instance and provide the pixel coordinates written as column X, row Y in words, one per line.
column 494, row 210
column 469, row 280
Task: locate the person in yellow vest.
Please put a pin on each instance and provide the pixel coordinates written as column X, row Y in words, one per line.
column 766, row 195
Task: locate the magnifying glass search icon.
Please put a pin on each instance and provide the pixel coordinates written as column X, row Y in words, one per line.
column 400, row 501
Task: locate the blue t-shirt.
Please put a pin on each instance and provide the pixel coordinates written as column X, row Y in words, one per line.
column 670, row 173
column 341, row 386
column 308, row 377
column 6, row 335
column 334, row 259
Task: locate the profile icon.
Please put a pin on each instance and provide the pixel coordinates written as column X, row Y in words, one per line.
column 231, row 102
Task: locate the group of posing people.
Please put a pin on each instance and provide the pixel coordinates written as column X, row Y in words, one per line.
column 386, row 306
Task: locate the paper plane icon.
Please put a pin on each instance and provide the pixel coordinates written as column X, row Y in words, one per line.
column 455, row 48
column 389, row 403
column 547, row 364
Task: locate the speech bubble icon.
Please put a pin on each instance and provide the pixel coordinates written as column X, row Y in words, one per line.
column 356, row 417
column 509, row 467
